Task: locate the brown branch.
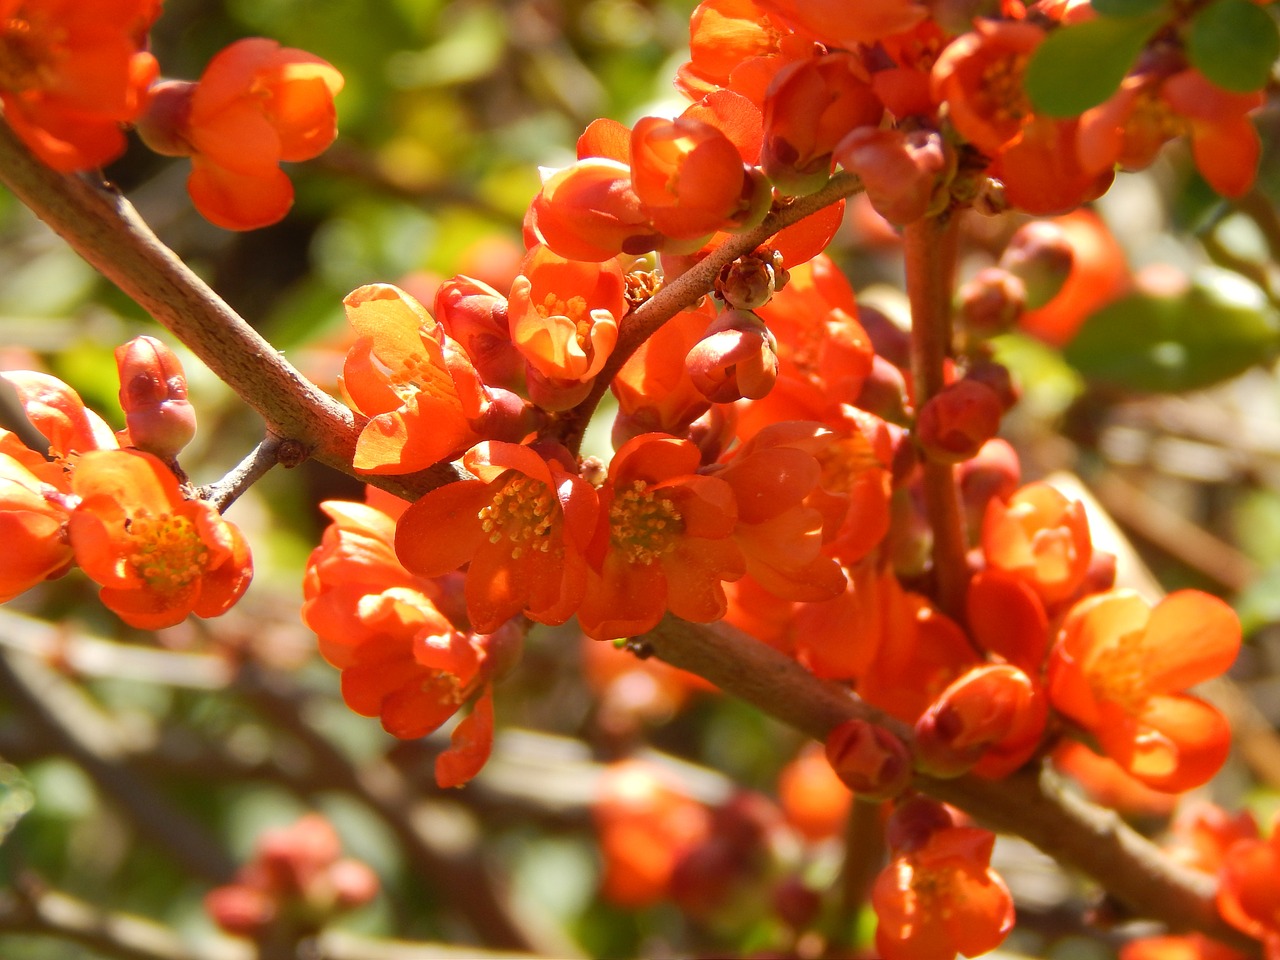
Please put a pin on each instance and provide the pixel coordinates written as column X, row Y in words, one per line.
column 104, row 229
column 929, row 249
column 1075, row 833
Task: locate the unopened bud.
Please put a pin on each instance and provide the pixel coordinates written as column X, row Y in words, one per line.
column 872, row 762
column 153, row 395
column 914, row 821
column 901, row 171
column 993, row 714
column 1039, row 255
column 997, row 377
column 736, row 358
column 164, row 124
column 991, row 301
column 954, row 424
column 751, row 280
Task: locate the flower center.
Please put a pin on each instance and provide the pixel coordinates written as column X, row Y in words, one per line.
column 642, row 524
column 521, row 512
column 573, row 309
column 27, row 50
column 1116, row 673
column 843, row 461
column 419, row 373
column 167, row 552
column 1002, row 89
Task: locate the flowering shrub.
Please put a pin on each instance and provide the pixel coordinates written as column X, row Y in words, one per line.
column 809, row 498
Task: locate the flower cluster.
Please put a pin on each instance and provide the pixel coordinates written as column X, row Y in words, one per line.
column 75, row 73
column 112, row 504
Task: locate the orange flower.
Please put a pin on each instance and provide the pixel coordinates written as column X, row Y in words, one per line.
column 815, row 800
column 1151, row 108
column 663, row 542
column 1248, row 895
column 563, row 317
column 941, row 897
column 589, row 211
column 780, row 535
column 810, row 107
column 654, row 389
column 158, row 556
column 523, row 526
column 59, row 414
column 1040, row 537
column 1118, row 669
column 990, row 721
column 257, row 104
column 34, row 509
column 416, row 384
column 723, row 35
column 979, row 77
column 1106, row 784
column 73, row 71
column 693, row 179
column 836, row 23
column 646, row 822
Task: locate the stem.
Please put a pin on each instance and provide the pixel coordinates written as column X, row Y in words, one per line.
column 686, row 289
column 104, row 229
column 930, row 256
column 1075, row 833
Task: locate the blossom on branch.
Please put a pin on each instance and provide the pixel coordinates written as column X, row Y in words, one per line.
column 256, row 105
column 72, row 72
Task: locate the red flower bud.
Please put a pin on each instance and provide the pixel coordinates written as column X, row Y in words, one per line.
column 953, row 425
column 991, row 301
column 153, row 395
column 914, row 821
column 903, row 172
column 871, row 761
column 736, row 358
column 1040, row 255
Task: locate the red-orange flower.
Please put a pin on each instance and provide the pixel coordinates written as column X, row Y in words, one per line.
column 839, row 24
column 158, row 556
column 654, row 390
column 723, row 35
column 415, row 383
column 523, row 526
column 664, row 541
column 563, row 316
column 811, row 106
column 1040, row 537
column 256, row 105
column 1248, row 894
column 71, row 72
column 646, row 822
column 34, row 510
column 692, row 178
column 941, row 897
column 589, row 211
column 59, row 414
column 1119, row 668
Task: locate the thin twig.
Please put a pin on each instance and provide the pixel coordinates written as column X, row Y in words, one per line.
column 249, row 471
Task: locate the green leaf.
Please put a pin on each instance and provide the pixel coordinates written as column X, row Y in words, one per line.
column 1219, row 327
column 1126, row 8
column 1234, row 43
column 1080, row 66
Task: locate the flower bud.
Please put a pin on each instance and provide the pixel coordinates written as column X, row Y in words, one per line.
column 903, row 172
column 990, row 720
column 153, row 395
column 751, row 280
column 736, row 358
column 991, row 301
column 1040, row 255
column 871, row 761
column 954, row 424
column 914, row 821
column 165, row 124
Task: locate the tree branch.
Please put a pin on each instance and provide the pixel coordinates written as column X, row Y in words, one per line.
column 104, row 229
column 1077, row 834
